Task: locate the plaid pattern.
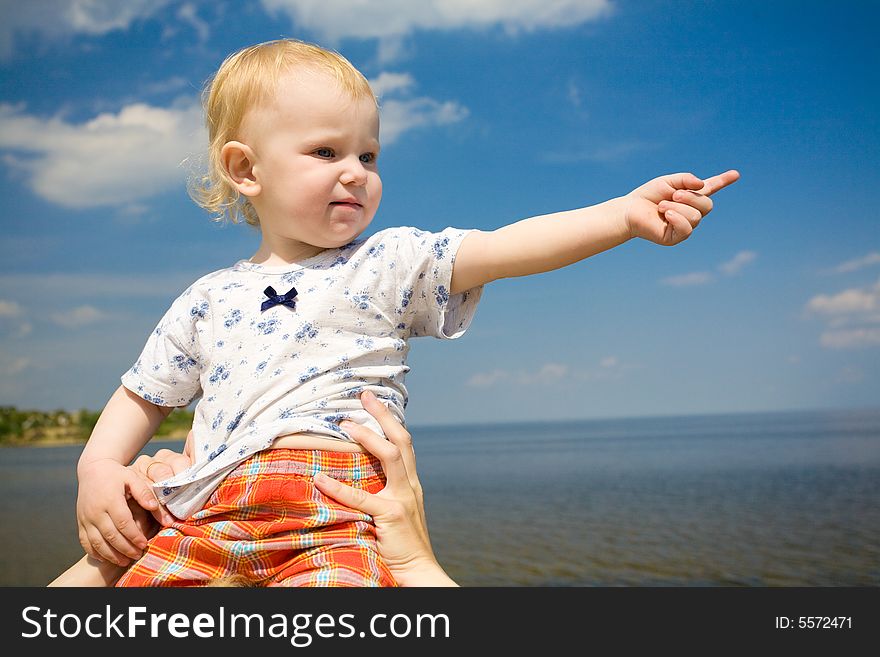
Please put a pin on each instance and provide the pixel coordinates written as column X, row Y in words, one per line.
column 268, row 522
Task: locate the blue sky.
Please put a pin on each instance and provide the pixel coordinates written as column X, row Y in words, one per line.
column 492, row 111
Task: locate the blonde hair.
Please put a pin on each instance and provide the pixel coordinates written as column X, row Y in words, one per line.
column 231, row 581
column 246, row 79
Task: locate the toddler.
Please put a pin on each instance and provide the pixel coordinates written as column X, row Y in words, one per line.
column 280, row 346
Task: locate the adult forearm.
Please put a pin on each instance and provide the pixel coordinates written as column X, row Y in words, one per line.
column 126, row 424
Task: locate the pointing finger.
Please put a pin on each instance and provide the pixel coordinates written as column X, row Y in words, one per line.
column 720, row 181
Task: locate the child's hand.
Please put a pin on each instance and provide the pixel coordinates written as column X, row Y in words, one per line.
column 107, row 529
column 666, row 210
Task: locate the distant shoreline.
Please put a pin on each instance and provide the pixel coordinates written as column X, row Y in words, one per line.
column 63, row 442
column 32, row 428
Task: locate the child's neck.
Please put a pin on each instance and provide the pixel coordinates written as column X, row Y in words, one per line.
column 287, row 252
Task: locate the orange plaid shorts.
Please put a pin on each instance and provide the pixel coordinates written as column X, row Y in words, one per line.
column 268, row 523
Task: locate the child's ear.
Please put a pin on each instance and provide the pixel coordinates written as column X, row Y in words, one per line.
column 238, row 161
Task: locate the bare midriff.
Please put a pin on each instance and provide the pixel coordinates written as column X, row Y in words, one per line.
column 311, row 441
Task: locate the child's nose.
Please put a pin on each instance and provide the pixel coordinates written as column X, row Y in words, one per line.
column 353, row 172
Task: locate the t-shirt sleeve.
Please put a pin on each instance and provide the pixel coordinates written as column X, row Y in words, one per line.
column 168, row 371
column 424, row 272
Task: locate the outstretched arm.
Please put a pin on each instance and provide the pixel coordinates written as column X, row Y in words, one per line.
column 664, row 210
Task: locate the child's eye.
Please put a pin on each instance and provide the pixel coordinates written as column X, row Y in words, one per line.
column 368, row 158
column 324, row 152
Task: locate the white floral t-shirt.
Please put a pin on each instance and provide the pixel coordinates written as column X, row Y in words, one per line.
column 294, row 359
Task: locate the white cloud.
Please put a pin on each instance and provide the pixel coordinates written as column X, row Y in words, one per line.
column 79, row 316
column 735, row 264
column 847, row 302
column 399, row 116
column 732, row 266
column 389, row 83
column 187, row 14
column 547, row 374
column 402, row 113
column 687, row 280
column 9, row 309
column 851, row 338
column 851, row 316
column 869, row 260
column 110, row 160
column 118, row 159
column 337, row 19
column 53, row 19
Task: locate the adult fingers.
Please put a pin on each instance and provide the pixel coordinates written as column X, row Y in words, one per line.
column 388, row 454
column 354, row 498
column 395, row 432
column 140, row 489
column 718, row 182
column 150, row 471
column 175, row 460
column 402, row 440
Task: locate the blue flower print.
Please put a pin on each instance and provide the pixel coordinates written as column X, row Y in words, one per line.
column 365, row 342
column 354, row 393
column 440, row 247
column 405, row 297
column 232, row 318
column 199, row 310
column 361, row 300
column 183, row 363
column 156, row 399
column 235, row 422
column 217, row 452
column 268, row 326
column 376, row 251
column 220, row 373
column 218, row 420
column 442, row 296
column 306, row 332
column 334, row 420
column 308, row 374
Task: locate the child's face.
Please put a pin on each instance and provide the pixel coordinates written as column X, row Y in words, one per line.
column 315, row 150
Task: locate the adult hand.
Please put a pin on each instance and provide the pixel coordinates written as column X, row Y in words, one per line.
column 161, row 466
column 666, row 210
column 398, row 509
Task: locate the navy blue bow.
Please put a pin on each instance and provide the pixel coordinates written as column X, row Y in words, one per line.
column 275, row 299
